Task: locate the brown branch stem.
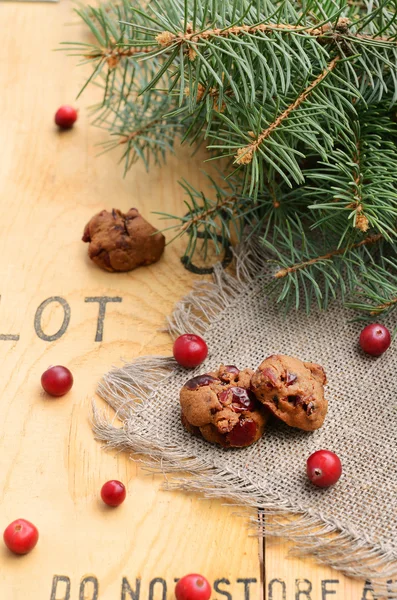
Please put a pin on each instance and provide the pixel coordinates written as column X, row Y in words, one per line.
column 361, row 222
column 341, row 27
column 166, row 38
column 245, row 154
column 134, row 134
column 273, row 195
column 115, row 54
column 206, row 213
column 381, row 307
column 371, row 239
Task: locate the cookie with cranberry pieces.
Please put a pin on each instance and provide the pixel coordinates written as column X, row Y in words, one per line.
column 221, row 408
column 292, row 390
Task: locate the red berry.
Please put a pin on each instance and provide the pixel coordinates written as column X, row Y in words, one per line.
column 375, row 339
column 324, row 468
column 65, row 117
column 243, row 433
column 113, row 493
column 193, row 587
column 21, row 536
column 57, row 381
column 190, row 350
column 200, row 381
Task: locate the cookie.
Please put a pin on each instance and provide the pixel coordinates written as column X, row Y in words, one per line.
column 292, row 390
column 221, row 408
column 122, row 242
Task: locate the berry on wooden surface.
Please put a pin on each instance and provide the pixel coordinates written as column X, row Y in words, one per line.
column 65, row 117
column 113, row 493
column 57, row 381
column 21, row 536
column 193, row 587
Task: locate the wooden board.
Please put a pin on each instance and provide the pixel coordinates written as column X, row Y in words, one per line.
column 51, row 468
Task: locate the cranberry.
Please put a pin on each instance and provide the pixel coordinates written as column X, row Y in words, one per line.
column 199, row 381
column 190, row 350
column 193, row 587
column 228, row 373
column 291, row 378
column 232, row 369
column 224, row 397
column 324, row 468
column 113, row 493
column 65, row 117
column 57, row 381
column 21, row 536
column 375, row 339
column 271, row 377
column 310, row 408
column 242, row 434
column 242, row 399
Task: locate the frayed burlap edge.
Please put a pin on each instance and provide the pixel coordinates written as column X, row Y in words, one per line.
column 129, row 388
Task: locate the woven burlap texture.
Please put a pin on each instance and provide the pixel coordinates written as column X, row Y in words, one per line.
column 352, row 526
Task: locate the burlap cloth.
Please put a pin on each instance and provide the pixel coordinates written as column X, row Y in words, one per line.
column 352, row 526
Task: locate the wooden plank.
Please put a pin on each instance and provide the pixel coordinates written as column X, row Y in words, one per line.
column 301, row 579
column 51, row 468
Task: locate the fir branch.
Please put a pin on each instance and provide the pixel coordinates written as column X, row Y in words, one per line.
column 261, row 33
column 128, row 138
column 296, row 96
column 360, row 220
column 273, row 195
column 113, row 54
column 289, row 126
column 380, row 308
column 371, row 239
column 167, row 38
column 313, row 269
column 376, row 292
column 201, row 216
column 357, row 186
column 148, row 133
column 326, row 32
column 206, row 220
column 245, row 155
column 223, row 218
column 229, row 214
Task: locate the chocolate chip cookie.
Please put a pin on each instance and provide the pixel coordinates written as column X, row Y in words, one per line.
column 122, row 242
column 292, row 390
column 221, row 408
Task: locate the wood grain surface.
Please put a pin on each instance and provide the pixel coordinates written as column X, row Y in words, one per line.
column 51, row 469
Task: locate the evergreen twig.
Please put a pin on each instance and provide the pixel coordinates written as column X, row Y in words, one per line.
column 245, row 155
column 299, row 98
column 371, row 239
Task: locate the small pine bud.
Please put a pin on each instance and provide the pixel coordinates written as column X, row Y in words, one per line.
column 113, row 61
column 217, row 108
column 165, row 38
column 192, row 53
column 200, row 92
column 281, row 273
column 343, row 24
column 362, row 222
column 244, row 155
